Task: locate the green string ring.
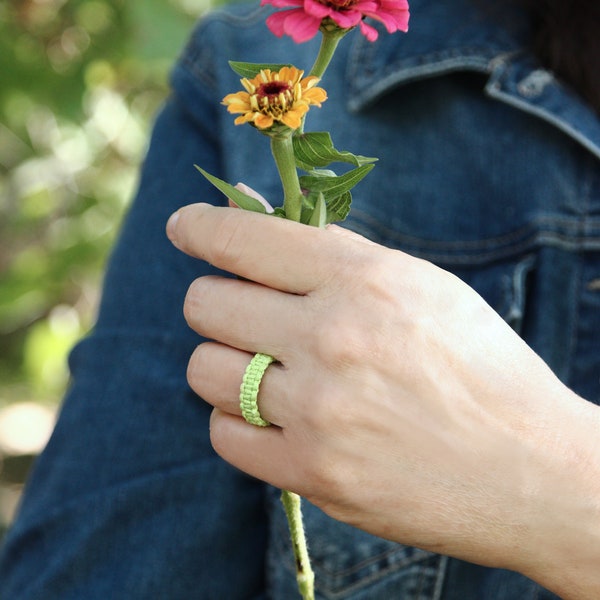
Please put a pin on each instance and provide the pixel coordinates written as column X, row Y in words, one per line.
column 249, row 389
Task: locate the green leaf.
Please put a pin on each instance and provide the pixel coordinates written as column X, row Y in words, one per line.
column 315, row 149
column 333, row 187
column 242, row 200
column 321, row 173
column 338, row 208
column 319, row 214
column 250, row 70
column 335, row 191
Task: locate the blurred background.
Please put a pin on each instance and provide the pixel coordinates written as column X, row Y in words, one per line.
column 80, row 82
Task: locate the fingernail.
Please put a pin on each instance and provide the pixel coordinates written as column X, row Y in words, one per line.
column 171, row 227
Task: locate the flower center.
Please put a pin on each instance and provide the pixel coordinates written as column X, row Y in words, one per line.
column 273, row 88
column 274, row 98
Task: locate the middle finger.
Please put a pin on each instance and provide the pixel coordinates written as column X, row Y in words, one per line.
column 246, row 315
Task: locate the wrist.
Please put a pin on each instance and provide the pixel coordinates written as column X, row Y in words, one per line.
column 561, row 549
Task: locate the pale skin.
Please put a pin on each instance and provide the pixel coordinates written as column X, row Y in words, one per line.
column 401, row 404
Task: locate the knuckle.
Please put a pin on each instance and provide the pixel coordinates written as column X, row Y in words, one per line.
column 193, row 302
column 217, row 433
column 339, row 344
column 227, row 241
column 333, row 409
column 332, row 483
column 321, row 468
column 195, row 368
column 321, row 409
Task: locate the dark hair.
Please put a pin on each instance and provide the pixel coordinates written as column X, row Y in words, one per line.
column 566, row 39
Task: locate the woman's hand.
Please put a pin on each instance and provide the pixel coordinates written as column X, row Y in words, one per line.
column 401, row 403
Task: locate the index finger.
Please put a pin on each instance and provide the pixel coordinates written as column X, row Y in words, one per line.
column 275, row 252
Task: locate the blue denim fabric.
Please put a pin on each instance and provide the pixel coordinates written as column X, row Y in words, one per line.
column 489, row 167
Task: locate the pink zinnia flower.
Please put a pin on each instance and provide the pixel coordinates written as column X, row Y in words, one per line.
column 302, row 19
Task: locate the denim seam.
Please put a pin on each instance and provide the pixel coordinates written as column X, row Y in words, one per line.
column 580, row 286
column 507, row 238
column 343, row 590
column 439, row 584
column 474, row 252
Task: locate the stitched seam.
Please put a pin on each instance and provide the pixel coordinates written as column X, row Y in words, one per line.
column 507, row 238
column 471, row 252
column 439, row 583
column 580, row 284
column 342, row 590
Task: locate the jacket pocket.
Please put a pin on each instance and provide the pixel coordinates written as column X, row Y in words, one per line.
column 349, row 564
column 504, row 285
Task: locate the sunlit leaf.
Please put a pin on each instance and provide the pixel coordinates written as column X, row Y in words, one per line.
column 315, row 149
column 250, row 70
column 335, row 186
column 239, row 198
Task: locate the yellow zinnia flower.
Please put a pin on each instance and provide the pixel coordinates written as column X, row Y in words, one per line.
column 282, row 97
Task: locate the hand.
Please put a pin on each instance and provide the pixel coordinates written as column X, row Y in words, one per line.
column 401, row 403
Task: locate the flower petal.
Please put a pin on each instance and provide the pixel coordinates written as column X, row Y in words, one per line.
column 346, row 18
column 317, row 9
column 282, row 3
column 275, row 23
column 315, row 96
column 300, row 26
column 365, row 6
column 245, row 118
column 368, row 31
column 238, row 102
column 291, row 74
column 394, row 14
column 263, row 121
column 293, row 118
column 303, row 18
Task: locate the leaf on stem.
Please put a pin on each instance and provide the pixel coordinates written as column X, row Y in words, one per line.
column 325, row 186
column 239, row 198
column 315, row 149
column 339, row 207
column 336, row 208
column 318, row 218
column 333, row 186
column 250, row 70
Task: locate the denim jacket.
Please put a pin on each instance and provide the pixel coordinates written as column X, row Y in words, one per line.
column 488, row 166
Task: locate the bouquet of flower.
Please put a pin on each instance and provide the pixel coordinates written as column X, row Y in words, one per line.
column 275, row 100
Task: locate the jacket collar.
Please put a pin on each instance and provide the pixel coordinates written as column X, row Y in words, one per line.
column 472, row 41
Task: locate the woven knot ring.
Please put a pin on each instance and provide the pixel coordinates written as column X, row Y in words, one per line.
column 249, row 389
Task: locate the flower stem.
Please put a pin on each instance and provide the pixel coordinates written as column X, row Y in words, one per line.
column 283, row 153
column 329, row 42
column 304, row 573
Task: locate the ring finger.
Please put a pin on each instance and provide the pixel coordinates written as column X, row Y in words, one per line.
column 215, row 373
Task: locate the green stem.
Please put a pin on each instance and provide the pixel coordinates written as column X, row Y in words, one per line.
column 329, row 42
column 304, row 573
column 283, row 153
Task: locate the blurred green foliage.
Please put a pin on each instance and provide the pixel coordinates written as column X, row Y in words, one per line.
column 79, row 83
